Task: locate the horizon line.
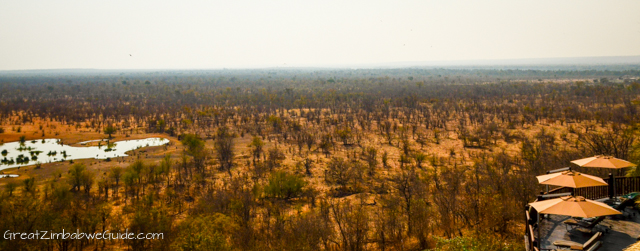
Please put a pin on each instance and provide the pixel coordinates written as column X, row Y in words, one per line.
column 550, row 61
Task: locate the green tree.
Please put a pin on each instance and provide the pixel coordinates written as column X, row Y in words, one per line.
column 165, row 167
column 420, row 158
column 224, row 148
column 370, row 156
column 283, row 185
column 257, row 148
column 149, row 218
column 275, row 122
column 130, row 177
column 109, row 130
column 274, row 158
column 205, row 233
column 344, row 135
column 88, row 178
column 347, row 174
column 194, row 146
column 481, row 243
column 114, row 174
column 10, row 187
column 325, row 144
column 76, row 175
column 161, row 125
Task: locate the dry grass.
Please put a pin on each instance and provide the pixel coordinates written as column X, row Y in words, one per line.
column 72, row 135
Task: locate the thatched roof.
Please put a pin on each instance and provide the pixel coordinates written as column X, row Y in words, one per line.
column 634, row 247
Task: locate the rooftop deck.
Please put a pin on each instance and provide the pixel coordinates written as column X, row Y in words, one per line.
column 622, row 231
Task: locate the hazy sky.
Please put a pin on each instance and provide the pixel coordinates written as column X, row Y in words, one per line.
column 235, row 34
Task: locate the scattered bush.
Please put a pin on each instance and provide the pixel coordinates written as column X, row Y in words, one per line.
column 283, row 185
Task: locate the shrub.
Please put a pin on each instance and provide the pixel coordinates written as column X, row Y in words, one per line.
column 284, row 185
column 482, row 243
column 205, row 233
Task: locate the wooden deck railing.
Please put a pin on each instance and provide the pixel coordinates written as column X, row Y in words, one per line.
column 529, row 236
column 623, row 185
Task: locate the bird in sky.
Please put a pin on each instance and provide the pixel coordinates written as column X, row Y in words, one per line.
column 130, row 55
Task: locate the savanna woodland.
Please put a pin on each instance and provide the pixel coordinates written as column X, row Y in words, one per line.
column 307, row 159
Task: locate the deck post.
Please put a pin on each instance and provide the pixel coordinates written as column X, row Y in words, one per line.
column 612, row 187
column 539, row 237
